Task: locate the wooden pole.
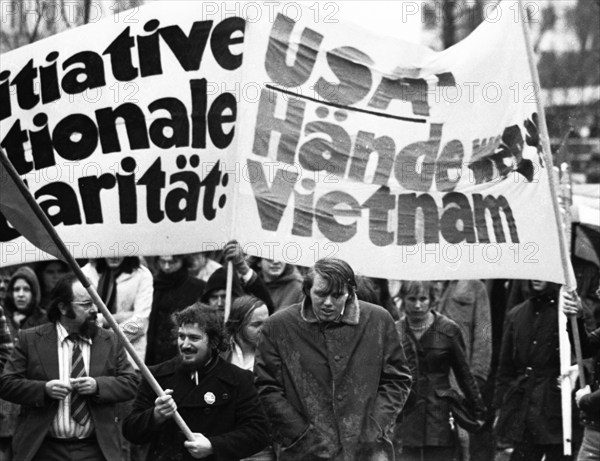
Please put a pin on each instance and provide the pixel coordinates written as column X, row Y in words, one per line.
column 70, row 260
column 228, row 291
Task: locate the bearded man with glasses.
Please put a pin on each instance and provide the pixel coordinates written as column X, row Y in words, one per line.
column 68, row 375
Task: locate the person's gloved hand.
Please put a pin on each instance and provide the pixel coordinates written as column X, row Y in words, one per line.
column 233, row 252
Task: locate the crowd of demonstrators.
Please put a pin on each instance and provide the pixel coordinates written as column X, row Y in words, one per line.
column 175, row 288
column 434, row 347
column 325, row 361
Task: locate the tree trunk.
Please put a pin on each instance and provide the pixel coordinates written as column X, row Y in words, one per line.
column 449, row 23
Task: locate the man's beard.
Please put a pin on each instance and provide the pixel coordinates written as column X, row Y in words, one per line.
column 89, row 328
column 196, row 365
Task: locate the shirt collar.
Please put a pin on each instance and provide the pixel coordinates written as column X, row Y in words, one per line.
column 63, row 334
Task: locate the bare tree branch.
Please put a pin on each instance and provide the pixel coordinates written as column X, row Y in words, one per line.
column 64, row 14
column 38, row 20
column 86, row 10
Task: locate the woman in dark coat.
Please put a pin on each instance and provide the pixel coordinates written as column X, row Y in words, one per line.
column 174, row 289
column 433, row 345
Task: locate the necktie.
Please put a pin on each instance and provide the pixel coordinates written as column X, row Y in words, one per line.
column 79, row 409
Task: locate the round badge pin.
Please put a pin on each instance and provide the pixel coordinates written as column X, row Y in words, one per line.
column 209, row 398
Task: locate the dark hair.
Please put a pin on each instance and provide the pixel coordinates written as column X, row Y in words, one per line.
column 241, row 311
column 414, row 286
column 41, row 266
column 365, row 290
column 127, row 266
column 337, row 273
column 61, row 294
column 185, row 260
column 385, row 297
column 208, row 320
column 5, row 273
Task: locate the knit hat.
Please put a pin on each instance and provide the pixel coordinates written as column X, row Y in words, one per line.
column 218, row 281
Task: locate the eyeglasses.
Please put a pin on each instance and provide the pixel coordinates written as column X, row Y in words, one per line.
column 87, row 305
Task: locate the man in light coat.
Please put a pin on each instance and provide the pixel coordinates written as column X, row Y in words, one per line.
column 331, row 372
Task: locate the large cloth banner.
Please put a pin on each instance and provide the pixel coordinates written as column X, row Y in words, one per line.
column 409, row 164
column 120, row 129
column 153, row 137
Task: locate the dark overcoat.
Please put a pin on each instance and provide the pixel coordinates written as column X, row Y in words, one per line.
column 224, row 407
column 527, row 392
column 589, row 405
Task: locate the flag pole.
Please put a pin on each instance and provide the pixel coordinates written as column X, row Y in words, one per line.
column 70, row 260
column 571, row 284
column 228, row 291
column 569, row 277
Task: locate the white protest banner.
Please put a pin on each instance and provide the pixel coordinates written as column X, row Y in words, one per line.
column 409, row 164
column 120, row 129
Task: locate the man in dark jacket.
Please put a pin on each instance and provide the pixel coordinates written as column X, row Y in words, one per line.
column 588, row 398
column 68, row 376
column 331, row 372
column 527, row 393
column 217, row 400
